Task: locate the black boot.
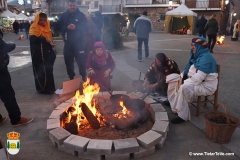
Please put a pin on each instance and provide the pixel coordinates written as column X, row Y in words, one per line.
column 177, row 120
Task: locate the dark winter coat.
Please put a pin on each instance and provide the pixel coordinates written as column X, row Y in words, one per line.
column 5, row 48
column 201, row 23
column 80, row 22
column 212, row 27
column 16, row 25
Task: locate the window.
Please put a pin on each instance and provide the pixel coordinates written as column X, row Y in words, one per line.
column 87, row 3
column 79, row 2
column 161, row 17
column 95, row 4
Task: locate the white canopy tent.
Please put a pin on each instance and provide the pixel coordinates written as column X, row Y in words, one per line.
column 23, row 16
column 31, row 18
column 180, row 12
column 19, row 17
column 11, row 16
column 7, row 13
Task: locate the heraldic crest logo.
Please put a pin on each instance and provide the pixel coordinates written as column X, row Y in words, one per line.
column 13, row 142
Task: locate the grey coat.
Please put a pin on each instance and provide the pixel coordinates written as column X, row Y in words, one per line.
column 143, row 26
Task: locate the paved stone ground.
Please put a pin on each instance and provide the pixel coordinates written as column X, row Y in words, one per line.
column 182, row 139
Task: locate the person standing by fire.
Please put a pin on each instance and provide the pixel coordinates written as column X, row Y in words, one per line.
column 99, row 65
column 43, row 56
column 7, row 94
column 73, row 23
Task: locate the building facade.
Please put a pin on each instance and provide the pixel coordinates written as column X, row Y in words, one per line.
column 156, row 8
column 3, row 4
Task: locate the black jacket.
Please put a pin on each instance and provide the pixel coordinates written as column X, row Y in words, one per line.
column 1, row 33
column 201, row 24
column 212, row 27
column 5, row 48
column 80, row 22
column 15, row 25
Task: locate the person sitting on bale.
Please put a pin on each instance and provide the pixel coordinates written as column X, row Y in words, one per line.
column 99, row 65
column 198, row 79
column 155, row 77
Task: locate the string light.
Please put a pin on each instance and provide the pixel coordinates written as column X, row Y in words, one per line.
column 21, row 2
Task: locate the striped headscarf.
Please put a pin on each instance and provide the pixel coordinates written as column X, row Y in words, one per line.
column 202, row 59
column 201, row 41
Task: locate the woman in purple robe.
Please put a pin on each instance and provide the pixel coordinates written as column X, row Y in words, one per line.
column 99, row 65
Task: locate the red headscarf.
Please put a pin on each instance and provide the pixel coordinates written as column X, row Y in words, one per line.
column 100, row 59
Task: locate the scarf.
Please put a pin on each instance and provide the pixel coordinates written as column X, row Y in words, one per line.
column 162, row 58
column 202, row 59
column 101, row 60
column 38, row 30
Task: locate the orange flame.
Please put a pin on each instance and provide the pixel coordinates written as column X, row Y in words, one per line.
column 220, row 39
column 124, row 110
column 88, row 92
column 123, row 113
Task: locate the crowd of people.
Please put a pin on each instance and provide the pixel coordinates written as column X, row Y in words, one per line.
column 21, row 26
column 82, row 42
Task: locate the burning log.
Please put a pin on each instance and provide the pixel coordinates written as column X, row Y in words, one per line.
column 72, row 126
column 64, row 119
column 90, row 117
column 124, row 114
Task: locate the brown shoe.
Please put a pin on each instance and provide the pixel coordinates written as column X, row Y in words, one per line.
column 3, row 120
column 23, row 120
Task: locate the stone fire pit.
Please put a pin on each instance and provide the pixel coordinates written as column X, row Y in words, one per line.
column 98, row 149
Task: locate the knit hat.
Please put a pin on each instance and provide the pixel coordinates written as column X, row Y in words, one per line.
column 200, row 40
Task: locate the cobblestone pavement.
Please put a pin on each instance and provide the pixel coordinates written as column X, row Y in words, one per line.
column 182, row 139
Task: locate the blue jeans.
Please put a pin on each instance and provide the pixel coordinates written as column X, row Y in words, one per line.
column 26, row 31
column 145, row 41
column 202, row 34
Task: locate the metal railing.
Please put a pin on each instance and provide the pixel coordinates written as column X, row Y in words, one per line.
column 136, row 2
column 203, row 3
column 110, row 8
column 57, row 9
column 140, row 2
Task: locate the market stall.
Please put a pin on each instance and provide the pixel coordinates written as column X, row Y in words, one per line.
column 180, row 18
